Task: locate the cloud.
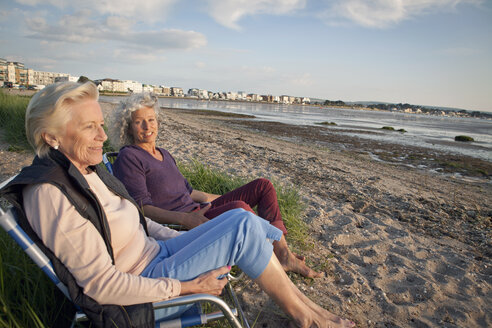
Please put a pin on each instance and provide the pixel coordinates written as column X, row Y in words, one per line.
column 56, row 3
column 148, row 10
column 385, row 13
column 82, row 27
column 229, row 12
column 200, row 65
column 304, row 80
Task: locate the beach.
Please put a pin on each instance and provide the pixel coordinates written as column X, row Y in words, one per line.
column 400, row 245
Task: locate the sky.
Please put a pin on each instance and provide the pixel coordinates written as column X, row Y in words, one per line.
column 422, row 52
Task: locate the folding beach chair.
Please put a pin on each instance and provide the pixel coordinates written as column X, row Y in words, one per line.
column 8, row 220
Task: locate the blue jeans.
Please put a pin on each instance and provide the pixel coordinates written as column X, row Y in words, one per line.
column 236, row 237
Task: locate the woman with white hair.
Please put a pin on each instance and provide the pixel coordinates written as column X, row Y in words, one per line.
column 152, row 178
column 110, row 252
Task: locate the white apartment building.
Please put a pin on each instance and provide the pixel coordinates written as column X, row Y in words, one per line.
column 284, row 100
column 177, row 92
column 231, row 96
column 148, row 88
column 45, row 78
column 133, row 86
column 193, row 93
column 111, row 85
column 166, row 91
column 254, row 97
column 241, row 95
column 66, row 78
column 15, row 72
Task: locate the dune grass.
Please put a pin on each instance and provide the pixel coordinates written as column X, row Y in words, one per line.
column 12, row 113
column 27, row 297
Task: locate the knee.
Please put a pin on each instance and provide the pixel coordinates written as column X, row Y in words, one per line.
column 264, row 184
column 242, row 216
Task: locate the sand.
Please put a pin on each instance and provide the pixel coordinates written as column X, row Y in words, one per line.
column 400, row 246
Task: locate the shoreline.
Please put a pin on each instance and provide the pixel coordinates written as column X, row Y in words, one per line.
column 400, row 246
column 484, row 115
column 426, row 159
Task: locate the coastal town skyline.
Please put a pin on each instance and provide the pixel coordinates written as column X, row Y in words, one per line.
column 431, row 53
column 17, row 75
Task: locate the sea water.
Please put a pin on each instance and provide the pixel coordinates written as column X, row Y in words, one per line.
column 434, row 132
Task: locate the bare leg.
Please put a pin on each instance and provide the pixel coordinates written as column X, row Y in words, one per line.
column 303, row 311
column 291, row 261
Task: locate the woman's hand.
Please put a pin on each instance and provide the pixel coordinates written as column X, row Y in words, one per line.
column 194, row 219
column 207, row 283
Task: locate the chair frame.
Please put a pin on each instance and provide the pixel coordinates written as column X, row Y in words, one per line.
column 9, row 223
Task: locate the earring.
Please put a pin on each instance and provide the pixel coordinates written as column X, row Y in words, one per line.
column 56, row 147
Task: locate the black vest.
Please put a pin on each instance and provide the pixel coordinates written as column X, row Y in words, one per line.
column 57, row 170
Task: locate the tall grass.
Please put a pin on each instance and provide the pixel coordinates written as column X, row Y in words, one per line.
column 27, row 297
column 12, row 114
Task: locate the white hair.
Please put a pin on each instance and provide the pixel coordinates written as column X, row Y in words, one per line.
column 120, row 118
column 49, row 111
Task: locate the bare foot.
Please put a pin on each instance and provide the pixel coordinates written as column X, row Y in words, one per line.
column 293, row 262
column 297, row 264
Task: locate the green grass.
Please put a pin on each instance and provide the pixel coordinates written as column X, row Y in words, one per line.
column 327, row 123
column 27, row 297
column 12, row 117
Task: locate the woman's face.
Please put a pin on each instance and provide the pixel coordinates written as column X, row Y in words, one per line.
column 83, row 138
column 144, row 126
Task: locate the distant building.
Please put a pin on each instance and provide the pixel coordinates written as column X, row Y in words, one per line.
column 193, row 93
column 254, row 97
column 305, row 100
column 241, row 95
column 284, row 99
column 166, row 91
column 66, row 78
column 111, row 85
column 148, row 88
column 231, row 96
column 133, row 86
column 45, row 78
column 177, row 92
column 15, row 72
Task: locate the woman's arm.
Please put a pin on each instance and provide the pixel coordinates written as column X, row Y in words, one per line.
column 206, row 283
column 202, row 197
column 188, row 220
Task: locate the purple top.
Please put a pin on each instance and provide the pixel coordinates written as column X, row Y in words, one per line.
column 152, row 182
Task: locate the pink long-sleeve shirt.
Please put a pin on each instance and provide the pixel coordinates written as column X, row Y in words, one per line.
column 79, row 246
